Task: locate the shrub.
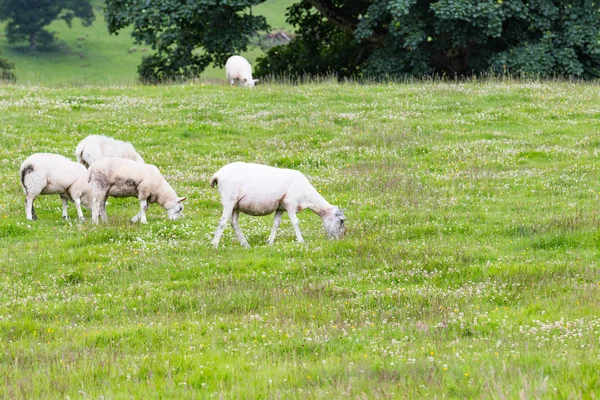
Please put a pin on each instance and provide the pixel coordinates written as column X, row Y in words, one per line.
column 455, row 38
column 6, row 71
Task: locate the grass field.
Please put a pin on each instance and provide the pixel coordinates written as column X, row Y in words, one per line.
column 89, row 55
column 470, row 267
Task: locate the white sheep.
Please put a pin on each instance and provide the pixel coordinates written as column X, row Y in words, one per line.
column 239, row 70
column 256, row 189
column 94, row 147
column 120, row 177
column 44, row 173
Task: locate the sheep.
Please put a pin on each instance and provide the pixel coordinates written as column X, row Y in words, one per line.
column 256, row 189
column 44, row 173
column 120, row 177
column 94, row 147
column 238, row 69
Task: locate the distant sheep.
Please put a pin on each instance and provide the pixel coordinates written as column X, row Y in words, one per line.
column 44, row 173
column 94, row 147
column 119, row 177
column 239, row 70
column 256, row 189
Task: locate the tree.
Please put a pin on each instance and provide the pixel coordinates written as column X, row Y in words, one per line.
column 27, row 18
column 380, row 38
column 6, row 71
column 187, row 35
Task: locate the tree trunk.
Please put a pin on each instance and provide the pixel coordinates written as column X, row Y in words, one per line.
column 32, row 44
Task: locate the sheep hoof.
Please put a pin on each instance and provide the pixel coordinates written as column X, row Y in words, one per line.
column 245, row 245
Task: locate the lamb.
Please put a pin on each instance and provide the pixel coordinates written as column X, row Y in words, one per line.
column 238, row 69
column 258, row 190
column 44, row 173
column 120, row 177
column 94, row 147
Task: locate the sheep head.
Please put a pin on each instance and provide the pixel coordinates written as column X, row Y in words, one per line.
column 250, row 83
column 334, row 222
column 175, row 208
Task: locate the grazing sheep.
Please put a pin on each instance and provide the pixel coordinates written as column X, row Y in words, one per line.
column 256, row 189
column 44, row 173
column 119, row 177
column 94, row 147
column 238, row 69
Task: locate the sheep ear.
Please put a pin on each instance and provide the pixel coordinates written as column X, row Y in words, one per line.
column 256, row 80
column 180, row 199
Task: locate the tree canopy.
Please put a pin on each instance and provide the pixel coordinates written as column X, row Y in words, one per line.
column 186, row 35
column 27, row 18
column 382, row 38
column 371, row 38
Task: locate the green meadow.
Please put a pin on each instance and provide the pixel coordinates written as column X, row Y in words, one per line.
column 469, row 268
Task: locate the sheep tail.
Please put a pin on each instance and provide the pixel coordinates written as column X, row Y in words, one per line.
column 79, row 154
column 26, row 170
column 214, row 180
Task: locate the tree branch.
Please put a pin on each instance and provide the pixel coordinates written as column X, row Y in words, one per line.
column 335, row 15
column 343, row 20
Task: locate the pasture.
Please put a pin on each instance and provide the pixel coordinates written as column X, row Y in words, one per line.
column 469, row 269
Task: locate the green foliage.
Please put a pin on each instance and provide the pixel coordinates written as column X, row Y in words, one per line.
column 187, row 36
column 449, row 37
column 6, row 71
column 322, row 49
column 27, row 18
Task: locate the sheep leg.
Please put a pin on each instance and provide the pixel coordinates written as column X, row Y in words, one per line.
column 98, row 207
column 29, row 210
column 296, row 225
column 65, row 203
column 276, row 224
column 141, row 216
column 103, row 209
column 78, row 206
column 236, row 227
column 227, row 211
column 76, row 196
column 95, row 210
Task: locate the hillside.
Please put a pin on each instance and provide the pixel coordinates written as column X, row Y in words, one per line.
column 87, row 55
